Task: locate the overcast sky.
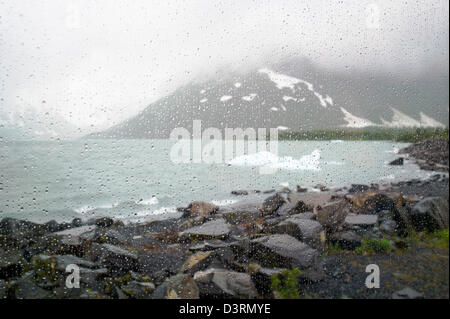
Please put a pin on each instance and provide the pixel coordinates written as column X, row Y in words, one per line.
column 97, row 62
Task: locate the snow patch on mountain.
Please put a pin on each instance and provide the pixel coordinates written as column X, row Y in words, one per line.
column 427, row 121
column 400, row 119
column 355, row 121
column 285, row 81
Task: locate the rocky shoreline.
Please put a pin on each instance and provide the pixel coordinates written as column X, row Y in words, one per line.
column 249, row 249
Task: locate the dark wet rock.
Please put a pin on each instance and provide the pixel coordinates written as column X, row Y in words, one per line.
column 272, row 203
column 199, row 208
column 91, row 276
column 358, row 188
column 11, row 263
column 138, row 290
column 407, row 293
column 431, row 154
column 333, row 214
column 21, row 229
column 306, row 215
column 360, row 220
column 77, row 222
column 159, row 260
column 398, row 161
column 71, row 241
column 52, row 226
column 262, row 279
column 293, row 207
column 215, row 229
column 240, row 216
column 305, row 230
column 117, row 259
column 196, row 262
column 181, row 286
column 25, row 289
column 109, row 236
column 239, row 192
column 430, row 214
column 389, row 227
column 370, row 202
column 269, row 191
column 301, row 189
column 282, row 250
column 346, row 239
column 104, row 222
column 221, row 283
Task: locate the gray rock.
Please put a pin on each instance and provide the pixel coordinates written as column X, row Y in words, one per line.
column 398, row 161
column 332, row 215
column 262, row 278
column 118, row 259
column 272, row 203
column 199, row 208
column 69, row 241
column 239, row 192
column 221, row 283
column 138, row 290
column 91, row 276
column 430, row 214
column 407, row 293
column 346, row 239
column 360, row 220
column 181, row 286
column 283, row 251
column 209, row 245
column 104, row 222
column 25, row 289
column 388, row 227
column 215, row 229
column 305, row 230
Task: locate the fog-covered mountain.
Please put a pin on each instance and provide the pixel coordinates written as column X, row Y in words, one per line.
column 30, row 123
column 294, row 95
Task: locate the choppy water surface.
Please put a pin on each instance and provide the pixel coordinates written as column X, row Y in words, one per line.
column 136, row 180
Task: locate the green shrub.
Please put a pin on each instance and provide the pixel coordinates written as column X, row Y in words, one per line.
column 286, row 283
column 438, row 239
column 374, row 246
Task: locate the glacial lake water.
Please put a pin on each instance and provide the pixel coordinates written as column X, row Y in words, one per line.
column 136, row 180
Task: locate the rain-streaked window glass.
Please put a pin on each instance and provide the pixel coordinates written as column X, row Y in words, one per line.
column 224, row 149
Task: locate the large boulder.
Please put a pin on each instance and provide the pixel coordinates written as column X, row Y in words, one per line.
column 285, row 251
column 221, row 283
column 309, row 231
column 430, row 214
column 333, row 214
column 73, row 241
column 370, row 202
column 272, row 203
column 346, row 239
column 196, row 262
column 117, row 259
column 364, row 221
column 215, row 229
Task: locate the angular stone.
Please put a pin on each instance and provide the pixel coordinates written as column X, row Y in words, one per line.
column 333, row 214
column 239, row 192
column 430, row 214
column 370, row 202
column 398, row 161
column 361, row 220
column 138, row 290
column 181, row 286
column 305, row 230
column 284, row 251
column 262, row 278
column 346, row 239
column 197, row 262
column 215, row 229
column 271, row 204
column 221, row 283
column 117, row 259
